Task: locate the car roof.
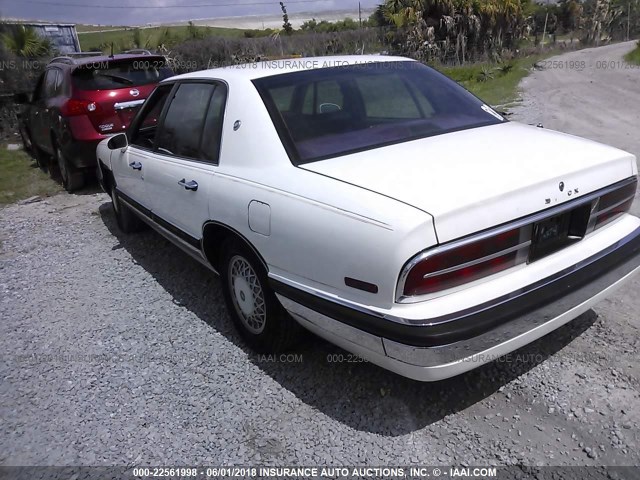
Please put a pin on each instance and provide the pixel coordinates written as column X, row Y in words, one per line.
column 80, row 61
column 267, row 68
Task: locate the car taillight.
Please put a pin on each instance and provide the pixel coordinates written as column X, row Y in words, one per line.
column 78, row 107
column 449, row 267
column 614, row 204
column 526, row 240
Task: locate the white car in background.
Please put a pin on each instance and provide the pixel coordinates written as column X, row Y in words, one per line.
column 378, row 204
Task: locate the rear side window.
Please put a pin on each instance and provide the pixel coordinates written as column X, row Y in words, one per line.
column 212, row 132
column 113, row 75
column 192, row 125
column 50, row 81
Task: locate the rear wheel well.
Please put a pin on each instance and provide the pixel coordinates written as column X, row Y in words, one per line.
column 214, row 235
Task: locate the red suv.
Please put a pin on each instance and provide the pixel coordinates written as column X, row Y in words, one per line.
column 78, row 102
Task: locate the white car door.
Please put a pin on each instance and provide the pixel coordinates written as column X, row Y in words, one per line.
column 179, row 176
column 129, row 165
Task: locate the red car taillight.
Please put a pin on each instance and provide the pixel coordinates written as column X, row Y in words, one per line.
column 462, row 264
column 615, row 203
column 78, row 107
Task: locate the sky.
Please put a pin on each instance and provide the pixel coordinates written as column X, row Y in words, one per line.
column 140, row 12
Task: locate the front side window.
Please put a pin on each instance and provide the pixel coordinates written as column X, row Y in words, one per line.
column 329, row 112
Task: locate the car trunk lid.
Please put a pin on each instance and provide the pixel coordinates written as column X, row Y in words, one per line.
column 479, row 178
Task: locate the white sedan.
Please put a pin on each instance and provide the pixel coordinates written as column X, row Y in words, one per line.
column 378, row 204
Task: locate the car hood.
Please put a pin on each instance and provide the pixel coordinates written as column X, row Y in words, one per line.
column 478, row 178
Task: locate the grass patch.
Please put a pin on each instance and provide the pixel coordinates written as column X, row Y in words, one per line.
column 151, row 37
column 20, row 178
column 634, row 55
column 495, row 83
column 97, row 28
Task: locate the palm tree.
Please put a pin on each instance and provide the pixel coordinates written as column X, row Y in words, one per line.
column 402, row 13
column 25, row 42
column 597, row 20
column 457, row 25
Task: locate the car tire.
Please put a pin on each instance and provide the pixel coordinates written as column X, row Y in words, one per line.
column 72, row 178
column 256, row 312
column 128, row 222
column 42, row 159
column 27, row 144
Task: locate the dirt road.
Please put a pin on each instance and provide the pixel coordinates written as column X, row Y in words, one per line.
column 117, row 350
column 591, row 93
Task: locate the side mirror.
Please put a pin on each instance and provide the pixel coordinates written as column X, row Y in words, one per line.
column 118, row 142
column 21, row 98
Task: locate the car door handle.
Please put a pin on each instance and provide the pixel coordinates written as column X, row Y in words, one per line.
column 136, row 165
column 190, row 185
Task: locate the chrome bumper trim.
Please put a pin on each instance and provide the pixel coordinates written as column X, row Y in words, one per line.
column 572, row 295
column 430, row 364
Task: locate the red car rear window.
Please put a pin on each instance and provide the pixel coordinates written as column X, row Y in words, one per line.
column 103, row 75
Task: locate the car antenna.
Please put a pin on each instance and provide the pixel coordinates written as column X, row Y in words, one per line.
column 111, row 56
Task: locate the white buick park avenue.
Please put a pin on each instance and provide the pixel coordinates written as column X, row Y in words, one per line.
column 378, row 204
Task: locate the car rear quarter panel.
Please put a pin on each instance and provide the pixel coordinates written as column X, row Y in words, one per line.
column 321, row 229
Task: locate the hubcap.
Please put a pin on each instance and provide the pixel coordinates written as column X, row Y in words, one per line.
column 247, row 294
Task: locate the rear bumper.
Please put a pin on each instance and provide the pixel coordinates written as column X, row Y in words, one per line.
column 462, row 341
column 80, row 141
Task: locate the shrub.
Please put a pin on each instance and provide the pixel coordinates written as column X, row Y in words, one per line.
column 214, row 52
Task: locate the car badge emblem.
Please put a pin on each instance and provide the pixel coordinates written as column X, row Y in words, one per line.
column 236, row 125
column 561, row 186
column 134, row 92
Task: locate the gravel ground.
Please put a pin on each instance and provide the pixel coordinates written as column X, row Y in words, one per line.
column 117, row 350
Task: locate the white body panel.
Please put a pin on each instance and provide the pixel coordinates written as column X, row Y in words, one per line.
column 183, row 208
column 366, row 214
column 129, row 179
column 475, row 179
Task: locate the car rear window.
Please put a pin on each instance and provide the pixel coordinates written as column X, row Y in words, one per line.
column 102, row 75
column 329, row 112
